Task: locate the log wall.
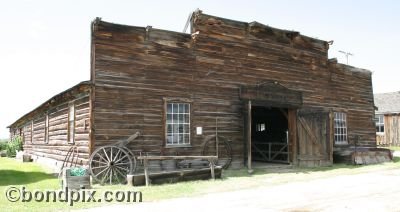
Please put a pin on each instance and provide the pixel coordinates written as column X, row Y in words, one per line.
column 57, row 146
column 391, row 136
column 135, row 68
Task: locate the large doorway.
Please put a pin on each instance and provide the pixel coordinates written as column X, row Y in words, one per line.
column 269, row 134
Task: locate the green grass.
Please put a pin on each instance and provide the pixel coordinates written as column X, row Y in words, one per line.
column 395, row 148
column 34, row 176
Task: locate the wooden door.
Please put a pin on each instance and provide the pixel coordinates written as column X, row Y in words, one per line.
column 314, row 139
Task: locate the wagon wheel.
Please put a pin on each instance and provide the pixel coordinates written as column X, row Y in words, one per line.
column 224, row 150
column 110, row 165
column 133, row 157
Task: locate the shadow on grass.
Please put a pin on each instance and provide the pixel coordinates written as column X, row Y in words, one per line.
column 274, row 170
column 13, row 177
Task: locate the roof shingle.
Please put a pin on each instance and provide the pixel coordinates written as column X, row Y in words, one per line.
column 387, row 102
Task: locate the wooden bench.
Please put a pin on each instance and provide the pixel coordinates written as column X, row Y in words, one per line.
column 210, row 159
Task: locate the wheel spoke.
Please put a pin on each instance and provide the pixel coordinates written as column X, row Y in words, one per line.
column 116, row 175
column 125, row 156
column 98, row 154
column 117, row 155
column 123, row 168
column 108, row 159
column 105, row 176
column 126, row 163
column 101, row 172
column 117, row 171
column 99, row 161
column 111, row 173
column 99, row 167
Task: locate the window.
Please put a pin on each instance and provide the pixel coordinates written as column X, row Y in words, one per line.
column 178, row 123
column 71, row 123
column 46, row 129
column 340, row 128
column 380, row 123
column 260, row 127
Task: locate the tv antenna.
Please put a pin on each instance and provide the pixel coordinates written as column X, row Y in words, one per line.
column 347, row 54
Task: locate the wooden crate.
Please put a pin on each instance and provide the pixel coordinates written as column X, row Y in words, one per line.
column 75, row 182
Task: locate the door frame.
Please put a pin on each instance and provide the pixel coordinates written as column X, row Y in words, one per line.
column 292, row 130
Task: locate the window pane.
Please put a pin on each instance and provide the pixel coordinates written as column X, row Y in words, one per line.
column 169, row 139
column 186, row 118
column 169, row 108
column 175, row 128
column 169, row 118
column 186, row 128
column 180, row 141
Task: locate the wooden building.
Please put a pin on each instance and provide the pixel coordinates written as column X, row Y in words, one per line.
column 272, row 94
column 387, row 118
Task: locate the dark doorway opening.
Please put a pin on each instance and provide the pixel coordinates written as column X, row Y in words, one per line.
column 269, row 134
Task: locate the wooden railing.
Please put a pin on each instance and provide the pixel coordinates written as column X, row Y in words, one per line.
column 270, row 151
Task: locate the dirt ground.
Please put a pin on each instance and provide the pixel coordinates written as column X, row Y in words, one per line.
column 373, row 191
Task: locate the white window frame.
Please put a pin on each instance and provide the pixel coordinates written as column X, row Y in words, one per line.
column 340, row 128
column 380, row 124
column 177, row 123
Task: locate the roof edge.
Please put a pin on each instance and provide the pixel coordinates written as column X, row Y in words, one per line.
column 47, row 103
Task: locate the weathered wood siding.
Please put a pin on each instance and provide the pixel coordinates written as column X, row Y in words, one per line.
column 57, row 110
column 391, row 136
column 134, row 68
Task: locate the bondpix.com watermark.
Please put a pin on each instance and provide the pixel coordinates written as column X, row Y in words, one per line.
column 21, row 194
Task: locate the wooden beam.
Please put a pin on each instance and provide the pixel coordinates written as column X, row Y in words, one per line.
column 249, row 169
column 292, row 125
column 331, row 136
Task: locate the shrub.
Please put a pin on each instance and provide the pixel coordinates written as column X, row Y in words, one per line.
column 3, row 145
column 14, row 145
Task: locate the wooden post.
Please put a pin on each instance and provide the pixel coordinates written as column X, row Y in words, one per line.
column 146, row 172
column 249, row 170
column 331, row 135
column 129, row 179
column 212, row 167
column 292, row 124
column 216, row 136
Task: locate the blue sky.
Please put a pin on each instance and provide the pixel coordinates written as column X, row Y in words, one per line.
column 44, row 45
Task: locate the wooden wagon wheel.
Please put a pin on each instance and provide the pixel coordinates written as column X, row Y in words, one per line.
column 224, row 150
column 111, row 164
